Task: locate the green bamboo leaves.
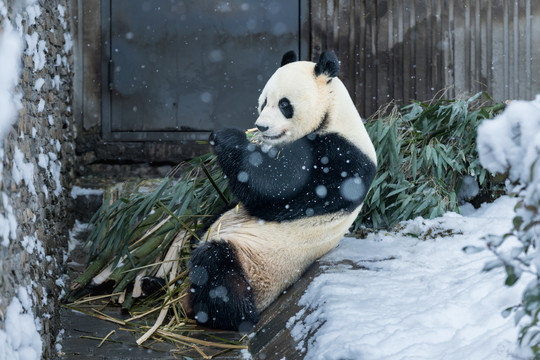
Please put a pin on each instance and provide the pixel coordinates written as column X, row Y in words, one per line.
column 423, row 151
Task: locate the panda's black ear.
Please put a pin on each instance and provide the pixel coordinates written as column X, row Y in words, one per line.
column 328, row 64
column 289, row 57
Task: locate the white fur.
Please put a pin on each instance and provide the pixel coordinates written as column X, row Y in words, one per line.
column 311, row 97
column 275, row 254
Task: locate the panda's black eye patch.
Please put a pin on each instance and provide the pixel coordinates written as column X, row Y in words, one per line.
column 263, row 105
column 286, row 108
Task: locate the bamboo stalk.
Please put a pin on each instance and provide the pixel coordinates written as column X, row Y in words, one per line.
column 156, row 325
column 162, row 313
column 98, row 338
column 151, row 231
column 200, row 342
column 104, row 316
column 90, row 272
column 106, row 337
column 93, row 298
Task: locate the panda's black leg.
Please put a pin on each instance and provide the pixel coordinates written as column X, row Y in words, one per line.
column 220, row 295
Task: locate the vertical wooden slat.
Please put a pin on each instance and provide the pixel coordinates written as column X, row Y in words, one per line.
column 516, row 57
column 375, row 66
column 451, row 64
column 506, row 54
column 429, row 48
column 391, row 50
column 382, row 59
column 328, row 33
column 413, row 78
column 467, row 45
column 489, row 46
column 361, row 87
column 528, row 29
column 439, row 46
column 353, row 73
column 477, row 49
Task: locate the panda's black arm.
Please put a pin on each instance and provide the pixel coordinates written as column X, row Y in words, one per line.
column 258, row 175
column 315, row 175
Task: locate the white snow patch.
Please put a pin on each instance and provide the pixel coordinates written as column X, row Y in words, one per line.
column 245, row 354
column 55, row 171
column 68, row 42
column 10, row 55
column 20, row 339
column 511, row 138
column 395, row 296
column 59, row 339
column 76, row 238
column 3, row 9
column 41, row 105
column 56, row 81
column 43, row 160
column 77, row 191
column 51, row 120
column 37, row 49
column 31, row 244
column 33, row 12
column 39, row 83
column 62, row 11
column 45, row 191
column 23, row 171
column 8, row 222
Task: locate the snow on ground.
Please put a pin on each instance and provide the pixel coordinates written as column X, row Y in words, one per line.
column 413, row 294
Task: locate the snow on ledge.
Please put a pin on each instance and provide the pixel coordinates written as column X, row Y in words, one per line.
column 77, row 191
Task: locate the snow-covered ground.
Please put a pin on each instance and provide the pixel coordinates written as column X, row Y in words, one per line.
column 414, row 294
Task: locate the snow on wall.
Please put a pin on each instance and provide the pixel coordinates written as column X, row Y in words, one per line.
column 36, row 170
column 10, row 48
column 20, row 340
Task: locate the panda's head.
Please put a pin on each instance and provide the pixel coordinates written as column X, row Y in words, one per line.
column 296, row 99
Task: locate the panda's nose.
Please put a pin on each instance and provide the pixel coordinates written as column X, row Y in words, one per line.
column 261, row 128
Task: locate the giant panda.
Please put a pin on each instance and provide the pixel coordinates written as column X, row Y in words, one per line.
column 299, row 191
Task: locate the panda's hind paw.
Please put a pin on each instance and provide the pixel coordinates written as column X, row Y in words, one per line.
column 151, row 285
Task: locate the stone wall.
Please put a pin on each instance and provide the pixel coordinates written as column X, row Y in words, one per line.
column 36, row 168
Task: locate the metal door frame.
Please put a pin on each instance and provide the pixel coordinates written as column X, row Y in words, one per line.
column 154, row 136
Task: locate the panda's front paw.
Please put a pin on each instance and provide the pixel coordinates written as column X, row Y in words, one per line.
column 226, row 138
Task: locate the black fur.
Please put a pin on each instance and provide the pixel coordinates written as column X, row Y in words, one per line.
column 263, row 105
column 315, row 175
column 151, row 285
column 286, row 108
column 220, row 295
column 289, row 57
column 328, row 64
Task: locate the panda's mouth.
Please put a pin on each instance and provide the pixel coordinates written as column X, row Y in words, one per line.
column 274, row 137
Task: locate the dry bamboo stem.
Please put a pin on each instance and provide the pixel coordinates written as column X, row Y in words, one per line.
column 157, row 324
column 200, row 342
column 106, row 338
column 174, row 250
column 163, row 311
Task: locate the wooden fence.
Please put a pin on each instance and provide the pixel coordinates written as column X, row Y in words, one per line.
column 412, row 49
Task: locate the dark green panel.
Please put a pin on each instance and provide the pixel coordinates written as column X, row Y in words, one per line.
column 191, row 66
